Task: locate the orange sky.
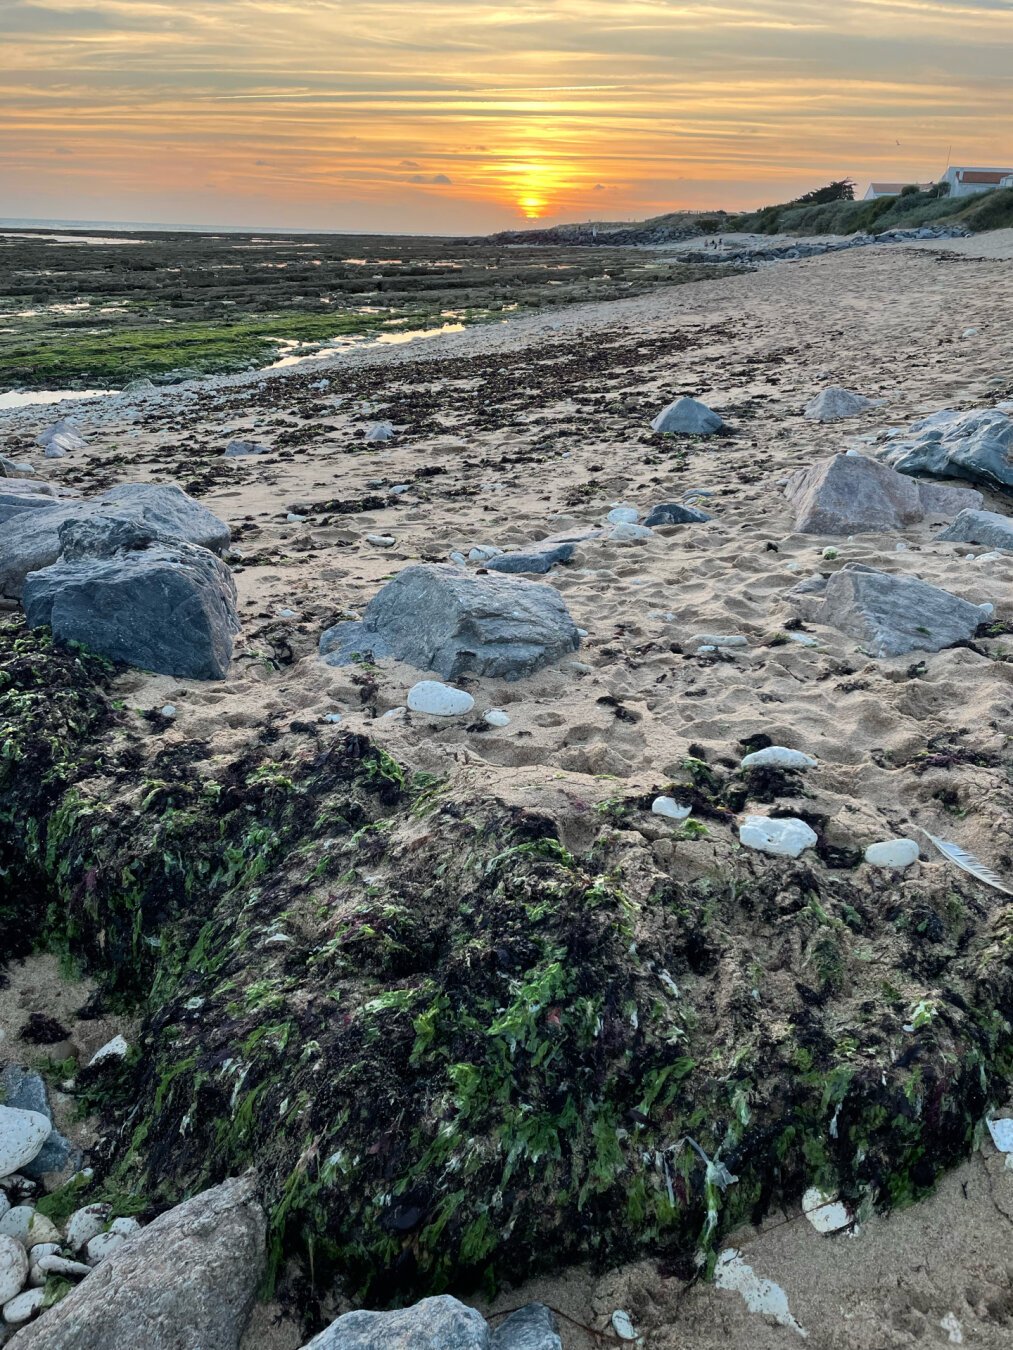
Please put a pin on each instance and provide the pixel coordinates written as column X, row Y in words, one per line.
column 458, row 115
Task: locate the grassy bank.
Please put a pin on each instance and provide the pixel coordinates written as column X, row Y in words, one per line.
column 989, row 211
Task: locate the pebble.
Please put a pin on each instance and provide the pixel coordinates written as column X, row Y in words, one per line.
column 86, row 1223
column 804, row 639
column 778, row 756
column 125, row 1227
column 168, row 710
column 16, row 1223
column 825, row 1212
column 393, row 715
column 439, row 700
column 458, row 558
column 483, row 552
column 668, row 806
column 332, row 717
column 892, row 853
column 622, row 1325
column 381, row 540
column 23, row 1308
column 379, row 431
column 41, row 1249
column 626, row 532
column 623, row 515
column 496, row 717
column 295, row 519
column 41, row 1230
column 60, row 1265
column 117, row 1046
column 722, row 640
column 13, row 1268
column 22, row 1134
column 785, row 838
column 96, row 1249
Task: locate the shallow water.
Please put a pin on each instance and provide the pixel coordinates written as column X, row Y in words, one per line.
column 347, row 343
column 24, row 399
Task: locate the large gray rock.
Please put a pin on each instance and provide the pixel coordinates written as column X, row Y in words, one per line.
column 848, row 494
column 976, row 445
column 438, row 618
column 532, row 1327
column 687, row 417
column 980, row 527
column 31, row 539
column 170, row 608
column 186, row 1282
column 535, row 560
column 834, row 404
column 888, row 615
column 434, row 1324
column 26, row 1091
column 674, row 513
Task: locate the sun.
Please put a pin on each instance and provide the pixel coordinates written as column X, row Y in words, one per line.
column 533, row 207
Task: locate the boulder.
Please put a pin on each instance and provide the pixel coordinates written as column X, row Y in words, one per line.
column 187, row 1281
column 31, row 540
column 169, row 608
column 440, row 1323
column 980, row 527
column 534, row 561
column 976, row 445
column 848, row 494
column 532, row 1327
column 439, row 618
column 834, row 404
column 674, row 513
column 889, row 615
column 26, row 1091
column 61, row 437
column 22, row 1135
column 687, row 417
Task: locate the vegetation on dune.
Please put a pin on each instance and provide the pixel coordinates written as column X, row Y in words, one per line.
column 908, row 210
column 454, row 1050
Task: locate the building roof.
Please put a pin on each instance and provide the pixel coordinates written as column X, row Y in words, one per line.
column 983, row 175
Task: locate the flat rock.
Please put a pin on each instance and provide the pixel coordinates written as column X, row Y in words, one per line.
column 849, row 494
column 670, row 808
column 170, row 608
column 976, row 445
column 61, row 436
column 240, row 449
column 620, row 515
column 31, row 540
column 533, row 560
column 787, row 837
column 896, row 853
column 379, row 432
column 834, row 404
column 626, row 532
column 889, row 615
column 674, row 513
column 22, row 1135
column 687, row 417
column 778, row 757
column 980, row 527
column 434, row 1324
column 439, row 700
column 532, row 1327
column 435, row 617
column 187, row 1281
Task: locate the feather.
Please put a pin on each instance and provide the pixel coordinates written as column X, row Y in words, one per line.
column 960, row 857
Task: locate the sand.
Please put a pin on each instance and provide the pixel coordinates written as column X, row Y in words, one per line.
column 517, row 431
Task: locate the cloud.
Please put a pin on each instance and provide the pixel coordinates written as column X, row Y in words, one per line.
column 440, row 178
column 599, row 187
column 409, row 164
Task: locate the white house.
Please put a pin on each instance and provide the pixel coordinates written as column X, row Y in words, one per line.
column 967, row 182
column 892, row 189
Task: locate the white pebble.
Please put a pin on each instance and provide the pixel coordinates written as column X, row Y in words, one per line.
column 496, row 717
column 86, row 1223
column 22, row 1134
column 13, row 1268
column 16, row 1223
column 41, row 1249
column 622, row 1325
column 668, row 806
column 23, row 1308
column 380, row 540
column 778, row 756
column 825, row 1212
column 439, row 700
column 117, row 1046
column 787, row 838
column 125, row 1227
column 483, row 552
column 623, row 515
column 892, row 853
column 168, row 710
column 59, row 1265
column 626, row 532
column 722, row 639
column 987, row 609
column 393, row 715
column 96, row 1249
column 804, row 639
column 458, row 558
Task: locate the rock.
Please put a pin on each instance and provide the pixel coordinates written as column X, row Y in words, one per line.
column 850, row 495
column 888, row 615
column 483, row 553
column 496, row 717
column 626, row 532
column 148, row 511
column 27, row 1092
column 379, row 432
column 687, row 417
column 10, row 468
column 533, row 561
column 125, row 1227
column 117, row 1046
column 434, row 1324
column 980, row 527
column 976, row 445
column 825, row 1212
column 623, row 515
column 22, row 1135
column 86, row 1223
column 532, row 1327
column 835, row 403
column 780, row 757
column 59, row 1265
column 721, row 640
column 13, row 1268
column 61, row 436
column 239, row 449
column 17, row 1224
column 674, row 513
column 668, row 806
column 41, row 1230
column 170, row 608
column 381, row 540
column 102, row 1246
column 622, row 1325
column 439, row 700
column 437, row 618
column 23, row 1308
column 186, row 1281
column 786, row 837
column 894, row 853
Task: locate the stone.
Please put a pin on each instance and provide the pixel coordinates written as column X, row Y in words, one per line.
column 440, row 1323
column 483, row 553
column 13, row 1268
column 787, row 837
column 779, row 757
column 977, row 445
column 626, row 533
column 687, row 417
column 41, row 1230
column 853, row 495
column 721, row 639
column 170, row 608
column 27, row 1092
column 889, row 615
column 23, row 1308
column 117, row 1046
column 980, row 527
column 435, row 617
column 381, row 540
column 894, row 853
column 669, row 807
column 620, row 515
column 17, row 1224
column 622, row 1325
column 149, row 511
column 532, row 1327
column 496, row 717
column 22, row 1135
column 834, row 403
column 186, row 1281
column 535, row 560
column 240, row 449
column 61, row 436
column 86, row 1223
column 674, row 513
column 826, row 1212
column 101, row 1247
column 59, row 1265
column 379, row 432
column 439, row 700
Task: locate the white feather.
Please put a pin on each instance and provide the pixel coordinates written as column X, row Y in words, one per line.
column 960, row 857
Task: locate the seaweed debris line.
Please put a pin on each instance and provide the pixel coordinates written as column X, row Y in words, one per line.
column 525, row 836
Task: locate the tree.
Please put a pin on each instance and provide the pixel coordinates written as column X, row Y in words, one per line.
column 843, row 190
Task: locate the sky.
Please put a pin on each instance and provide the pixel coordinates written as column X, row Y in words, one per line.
column 459, row 116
